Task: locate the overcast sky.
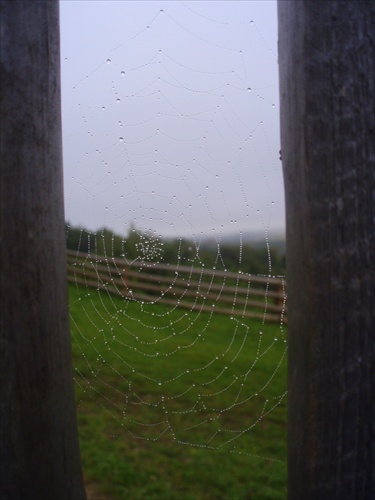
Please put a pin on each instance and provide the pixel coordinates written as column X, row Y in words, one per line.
column 171, row 116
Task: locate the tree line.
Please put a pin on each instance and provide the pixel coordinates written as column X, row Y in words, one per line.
column 253, row 258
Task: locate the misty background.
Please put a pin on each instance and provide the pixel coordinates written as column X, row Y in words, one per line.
column 171, row 118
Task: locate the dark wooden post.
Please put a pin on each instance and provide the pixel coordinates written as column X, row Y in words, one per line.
column 39, row 442
column 326, row 55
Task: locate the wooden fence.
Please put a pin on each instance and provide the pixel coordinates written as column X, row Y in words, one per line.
column 194, row 288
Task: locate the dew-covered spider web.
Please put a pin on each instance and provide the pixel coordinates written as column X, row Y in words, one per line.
column 172, row 178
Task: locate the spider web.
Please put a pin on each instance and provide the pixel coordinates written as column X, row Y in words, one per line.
column 169, row 133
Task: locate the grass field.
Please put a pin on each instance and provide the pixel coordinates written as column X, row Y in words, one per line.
column 176, row 405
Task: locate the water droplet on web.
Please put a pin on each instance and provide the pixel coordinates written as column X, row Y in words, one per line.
column 118, row 100
column 251, row 22
column 109, row 61
column 121, row 139
column 122, row 73
column 249, row 89
column 161, row 11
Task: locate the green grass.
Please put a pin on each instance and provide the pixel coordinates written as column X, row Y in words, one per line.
column 177, row 405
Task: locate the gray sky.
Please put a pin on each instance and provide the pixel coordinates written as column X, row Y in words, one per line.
column 171, row 116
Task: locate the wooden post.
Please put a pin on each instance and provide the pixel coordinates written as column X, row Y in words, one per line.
column 39, row 443
column 326, row 56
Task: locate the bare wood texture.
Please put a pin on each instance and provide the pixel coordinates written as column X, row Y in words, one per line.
column 236, row 294
column 39, row 441
column 326, row 57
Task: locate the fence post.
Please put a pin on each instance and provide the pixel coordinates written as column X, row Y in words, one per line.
column 39, row 442
column 326, row 56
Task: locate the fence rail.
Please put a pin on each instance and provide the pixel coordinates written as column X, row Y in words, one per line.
column 195, row 288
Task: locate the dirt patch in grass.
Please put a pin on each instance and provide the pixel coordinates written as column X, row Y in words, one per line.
column 92, row 492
